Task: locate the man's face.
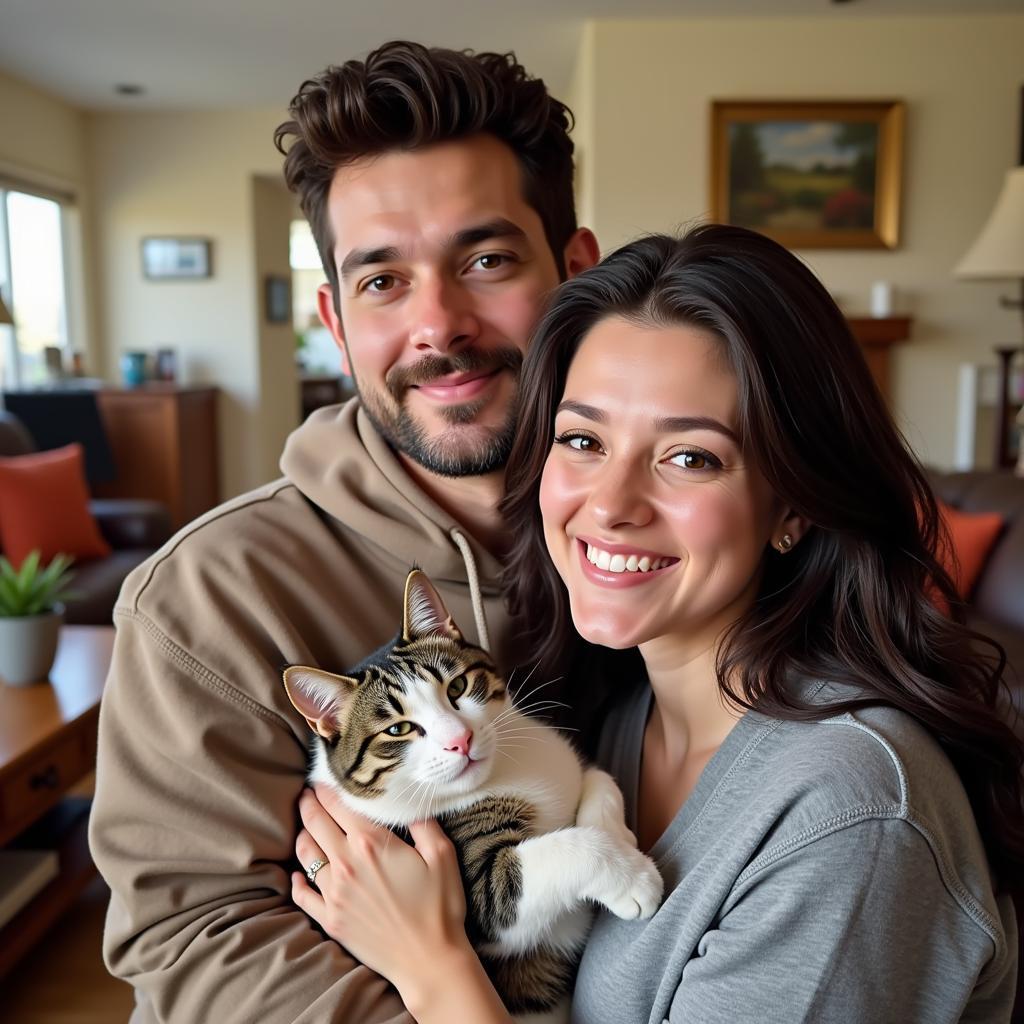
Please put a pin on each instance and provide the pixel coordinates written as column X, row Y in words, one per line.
column 443, row 269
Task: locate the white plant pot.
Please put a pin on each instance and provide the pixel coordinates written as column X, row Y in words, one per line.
column 28, row 645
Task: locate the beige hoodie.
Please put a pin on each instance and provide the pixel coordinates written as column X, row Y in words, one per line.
column 201, row 755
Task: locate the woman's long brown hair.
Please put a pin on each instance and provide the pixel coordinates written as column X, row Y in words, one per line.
column 855, row 601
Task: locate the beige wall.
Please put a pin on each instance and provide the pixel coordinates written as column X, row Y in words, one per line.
column 193, row 174
column 643, row 92
column 272, row 210
column 43, row 142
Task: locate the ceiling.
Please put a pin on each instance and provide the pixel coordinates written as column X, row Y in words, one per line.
column 250, row 53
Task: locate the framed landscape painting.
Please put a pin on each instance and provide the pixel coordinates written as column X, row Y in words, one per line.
column 810, row 175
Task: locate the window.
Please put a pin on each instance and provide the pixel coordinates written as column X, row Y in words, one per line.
column 33, row 229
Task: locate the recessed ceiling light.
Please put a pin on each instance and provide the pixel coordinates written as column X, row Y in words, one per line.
column 128, row 89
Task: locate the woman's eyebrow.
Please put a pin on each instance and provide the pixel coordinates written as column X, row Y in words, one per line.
column 672, row 424
column 665, row 424
column 588, row 412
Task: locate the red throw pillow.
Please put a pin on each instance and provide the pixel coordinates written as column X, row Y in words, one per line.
column 44, row 504
column 972, row 535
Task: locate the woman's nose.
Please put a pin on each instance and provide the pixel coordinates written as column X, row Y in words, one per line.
column 619, row 496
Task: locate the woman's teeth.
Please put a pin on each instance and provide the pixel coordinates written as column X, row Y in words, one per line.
column 624, row 563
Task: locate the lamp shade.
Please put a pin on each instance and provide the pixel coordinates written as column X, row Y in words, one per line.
column 998, row 252
column 5, row 313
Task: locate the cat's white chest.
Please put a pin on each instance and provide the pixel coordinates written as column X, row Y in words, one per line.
column 546, row 772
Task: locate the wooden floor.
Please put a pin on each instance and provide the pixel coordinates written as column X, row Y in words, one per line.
column 63, row 980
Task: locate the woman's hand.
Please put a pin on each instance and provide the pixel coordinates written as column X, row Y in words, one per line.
column 395, row 907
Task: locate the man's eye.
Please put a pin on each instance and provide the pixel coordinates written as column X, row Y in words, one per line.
column 399, row 729
column 457, row 687
column 380, row 283
column 490, row 261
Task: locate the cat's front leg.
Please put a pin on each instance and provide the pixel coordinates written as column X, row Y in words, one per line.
column 602, row 806
column 561, row 869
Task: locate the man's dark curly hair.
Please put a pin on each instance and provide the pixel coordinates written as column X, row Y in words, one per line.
column 405, row 96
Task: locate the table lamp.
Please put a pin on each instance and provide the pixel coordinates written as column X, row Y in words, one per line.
column 998, row 255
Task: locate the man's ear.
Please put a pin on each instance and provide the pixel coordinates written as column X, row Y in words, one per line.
column 332, row 321
column 322, row 698
column 581, row 252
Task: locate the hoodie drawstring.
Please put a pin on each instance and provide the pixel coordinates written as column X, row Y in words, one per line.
column 474, row 587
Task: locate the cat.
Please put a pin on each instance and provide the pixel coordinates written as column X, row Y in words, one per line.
column 426, row 727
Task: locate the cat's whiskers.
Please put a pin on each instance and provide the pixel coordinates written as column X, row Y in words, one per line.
column 518, row 698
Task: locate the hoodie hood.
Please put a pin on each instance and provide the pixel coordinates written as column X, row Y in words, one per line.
column 340, row 462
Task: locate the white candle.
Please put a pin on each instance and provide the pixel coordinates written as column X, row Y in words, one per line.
column 882, row 293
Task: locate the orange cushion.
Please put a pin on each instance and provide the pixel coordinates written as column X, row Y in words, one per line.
column 44, row 504
column 972, row 535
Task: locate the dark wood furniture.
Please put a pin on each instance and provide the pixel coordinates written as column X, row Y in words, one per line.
column 47, row 744
column 876, row 336
column 165, row 444
column 320, row 389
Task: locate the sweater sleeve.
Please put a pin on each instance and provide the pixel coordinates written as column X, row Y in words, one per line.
column 854, row 925
column 193, row 826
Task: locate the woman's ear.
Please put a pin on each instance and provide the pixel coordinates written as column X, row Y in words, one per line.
column 789, row 530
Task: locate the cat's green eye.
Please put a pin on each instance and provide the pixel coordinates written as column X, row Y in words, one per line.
column 457, row 687
column 399, row 729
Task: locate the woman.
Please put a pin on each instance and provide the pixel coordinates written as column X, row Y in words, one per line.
column 812, row 752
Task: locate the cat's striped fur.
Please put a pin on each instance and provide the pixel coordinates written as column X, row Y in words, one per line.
column 425, row 727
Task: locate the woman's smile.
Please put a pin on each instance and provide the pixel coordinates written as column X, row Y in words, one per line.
column 621, row 565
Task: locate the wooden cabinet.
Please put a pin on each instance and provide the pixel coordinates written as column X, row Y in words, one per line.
column 165, row 446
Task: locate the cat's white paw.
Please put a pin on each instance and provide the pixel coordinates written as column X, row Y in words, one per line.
column 630, row 886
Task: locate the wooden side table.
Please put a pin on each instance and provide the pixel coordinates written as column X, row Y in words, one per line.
column 47, row 744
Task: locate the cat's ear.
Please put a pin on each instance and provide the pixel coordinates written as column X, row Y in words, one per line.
column 425, row 614
column 320, row 697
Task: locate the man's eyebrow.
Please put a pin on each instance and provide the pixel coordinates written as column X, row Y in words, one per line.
column 497, row 228
column 367, row 258
column 665, row 424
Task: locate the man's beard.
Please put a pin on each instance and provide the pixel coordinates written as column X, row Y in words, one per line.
column 485, row 450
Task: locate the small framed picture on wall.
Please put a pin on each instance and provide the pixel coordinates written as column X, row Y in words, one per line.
column 278, row 299
column 175, row 258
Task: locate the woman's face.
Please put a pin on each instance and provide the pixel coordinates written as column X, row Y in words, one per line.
column 654, row 517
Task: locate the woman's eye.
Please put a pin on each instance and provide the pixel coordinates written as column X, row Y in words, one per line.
column 579, row 442
column 399, row 729
column 457, row 687
column 695, row 460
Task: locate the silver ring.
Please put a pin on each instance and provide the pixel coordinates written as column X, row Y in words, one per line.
column 314, row 868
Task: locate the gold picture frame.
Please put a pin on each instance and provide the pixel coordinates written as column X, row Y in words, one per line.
column 811, row 175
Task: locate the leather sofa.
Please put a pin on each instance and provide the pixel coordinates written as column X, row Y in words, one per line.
column 134, row 529
column 996, row 605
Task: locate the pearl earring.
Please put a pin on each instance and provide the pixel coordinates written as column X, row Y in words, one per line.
column 785, row 543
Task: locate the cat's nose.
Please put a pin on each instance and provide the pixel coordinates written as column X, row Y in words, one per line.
column 460, row 744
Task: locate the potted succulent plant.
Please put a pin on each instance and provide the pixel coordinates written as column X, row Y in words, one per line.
column 30, row 616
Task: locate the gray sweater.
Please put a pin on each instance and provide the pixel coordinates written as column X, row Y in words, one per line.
column 825, row 872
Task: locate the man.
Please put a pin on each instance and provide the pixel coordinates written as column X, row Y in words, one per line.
column 439, row 188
